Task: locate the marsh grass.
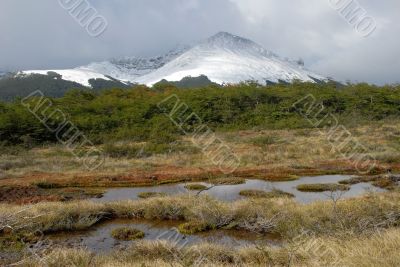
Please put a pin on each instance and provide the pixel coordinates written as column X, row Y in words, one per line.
column 275, row 193
column 281, row 216
column 266, row 140
column 194, row 227
column 145, row 195
column 354, row 228
column 127, row 233
column 253, row 193
column 297, row 150
column 378, row 249
column 322, row 187
column 195, row 187
column 228, row 181
column 380, row 181
column 47, row 185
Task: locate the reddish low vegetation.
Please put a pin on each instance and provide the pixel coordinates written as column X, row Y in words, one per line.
column 26, row 195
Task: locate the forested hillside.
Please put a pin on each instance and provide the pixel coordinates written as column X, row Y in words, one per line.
column 133, row 114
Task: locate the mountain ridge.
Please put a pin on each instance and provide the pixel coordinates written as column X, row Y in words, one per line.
column 223, row 58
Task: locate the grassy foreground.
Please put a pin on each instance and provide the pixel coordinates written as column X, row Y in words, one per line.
column 380, row 249
column 281, row 216
column 373, row 219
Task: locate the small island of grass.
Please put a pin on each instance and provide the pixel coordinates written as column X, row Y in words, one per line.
column 191, row 228
column 276, row 193
column 322, row 187
column 195, row 187
column 145, row 195
column 127, row 234
column 228, row 181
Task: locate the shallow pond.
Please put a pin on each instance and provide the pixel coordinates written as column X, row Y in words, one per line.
column 99, row 238
column 231, row 192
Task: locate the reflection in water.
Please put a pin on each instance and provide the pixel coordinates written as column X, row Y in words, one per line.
column 99, row 239
column 231, row 192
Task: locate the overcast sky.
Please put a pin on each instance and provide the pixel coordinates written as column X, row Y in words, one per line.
column 42, row 35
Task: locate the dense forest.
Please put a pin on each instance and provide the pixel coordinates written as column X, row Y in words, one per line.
column 134, row 114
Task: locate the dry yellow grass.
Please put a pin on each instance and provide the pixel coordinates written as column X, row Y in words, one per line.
column 280, row 216
column 379, row 249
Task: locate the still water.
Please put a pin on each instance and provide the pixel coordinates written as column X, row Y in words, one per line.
column 231, row 192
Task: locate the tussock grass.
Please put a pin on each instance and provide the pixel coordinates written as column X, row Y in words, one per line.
column 281, row 216
column 190, row 228
column 378, row 249
column 322, row 187
column 253, row 193
column 195, row 187
column 145, row 195
column 228, row 181
column 275, row 193
column 382, row 181
column 126, row 234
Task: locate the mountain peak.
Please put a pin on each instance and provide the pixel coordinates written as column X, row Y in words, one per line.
column 223, row 58
column 226, row 35
column 226, row 39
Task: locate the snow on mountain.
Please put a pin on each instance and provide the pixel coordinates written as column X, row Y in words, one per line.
column 223, row 58
column 226, row 58
column 79, row 75
column 131, row 68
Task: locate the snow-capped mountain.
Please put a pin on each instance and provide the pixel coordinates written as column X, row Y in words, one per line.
column 131, row 68
column 223, row 58
column 79, row 75
column 226, row 58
